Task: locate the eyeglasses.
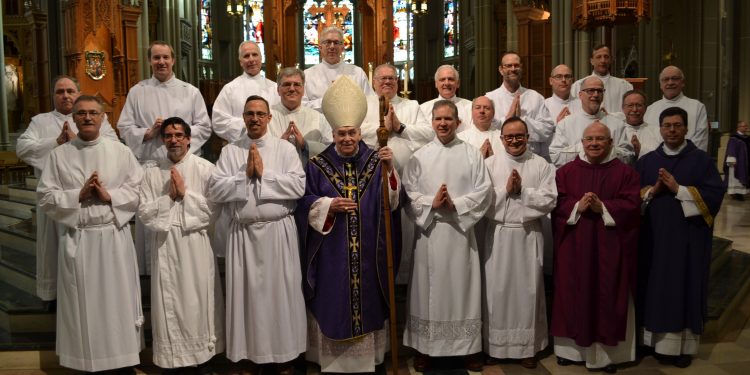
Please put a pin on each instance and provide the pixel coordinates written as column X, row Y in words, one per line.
column 175, row 136
column 672, row 78
column 674, row 126
column 90, row 113
column 386, row 78
column 287, row 85
column 635, row 105
column 329, row 42
column 560, row 77
column 512, row 137
column 511, row 66
column 597, row 139
column 252, row 114
column 592, row 91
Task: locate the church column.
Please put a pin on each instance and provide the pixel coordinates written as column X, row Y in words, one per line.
column 512, row 27
column 567, row 27
column 4, row 141
column 743, row 81
column 487, row 58
column 581, row 65
column 143, row 41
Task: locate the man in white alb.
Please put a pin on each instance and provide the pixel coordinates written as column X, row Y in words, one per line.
column 513, row 100
column 46, row 131
column 481, row 134
column 642, row 136
column 227, row 111
column 672, row 82
column 291, row 119
column 259, row 179
column 89, row 186
column 150, row 102
column 614, row 87
column 187, row 305
column 447, row 82
column 322, row 75
column 562, row 102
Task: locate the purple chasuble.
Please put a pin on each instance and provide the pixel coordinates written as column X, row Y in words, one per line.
column 345, row 271
column 738, row 147
column 594, row 265
column 674, row 255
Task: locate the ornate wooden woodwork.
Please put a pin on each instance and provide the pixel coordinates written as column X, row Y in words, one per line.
column 588, row 14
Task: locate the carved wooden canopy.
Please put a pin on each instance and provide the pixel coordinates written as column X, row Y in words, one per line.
column 588, row 14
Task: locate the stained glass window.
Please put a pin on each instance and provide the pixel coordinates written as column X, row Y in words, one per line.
column 319, row 14
column 253, row 24
column 207, row 39
column 450, row 28
column 403, row 35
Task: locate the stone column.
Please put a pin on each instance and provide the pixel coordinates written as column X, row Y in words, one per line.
column 4, row 141
column 744, row 62
column 512, row 27
column 144, row 67
column 487, row 58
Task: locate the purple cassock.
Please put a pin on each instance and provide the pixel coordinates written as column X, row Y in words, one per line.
column 594, row 264
column 738, row 147
column 345, row 274
column 674, row 255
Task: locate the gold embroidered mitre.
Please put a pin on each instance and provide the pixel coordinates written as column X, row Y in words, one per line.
column 344, row 104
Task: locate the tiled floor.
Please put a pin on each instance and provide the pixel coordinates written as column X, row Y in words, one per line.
column 729, row 356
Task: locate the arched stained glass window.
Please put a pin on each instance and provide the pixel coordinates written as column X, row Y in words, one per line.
column 207, row 40
column 319, row 14
column 403, row 32
column 450, row 28
column 253, row 24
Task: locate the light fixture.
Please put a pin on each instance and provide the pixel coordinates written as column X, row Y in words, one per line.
column 418, row 7
column 235, row 8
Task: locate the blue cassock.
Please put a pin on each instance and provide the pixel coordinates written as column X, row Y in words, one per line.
column 675, row 251
column 345, row 271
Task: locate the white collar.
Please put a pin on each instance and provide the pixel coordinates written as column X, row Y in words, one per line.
column 676, row 151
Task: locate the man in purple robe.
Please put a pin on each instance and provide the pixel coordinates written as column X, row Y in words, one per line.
column 341, row 220
column 595, row 226
column 736, row 167
column 682, row 193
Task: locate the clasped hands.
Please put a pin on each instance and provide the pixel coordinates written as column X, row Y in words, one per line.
column 513, row 186
column 66, row 135
column 443, row 199
column 292, row 129
column 94, row 188
column 154, row 130
column 254, row 163
column 590, row 201
column 665, row 179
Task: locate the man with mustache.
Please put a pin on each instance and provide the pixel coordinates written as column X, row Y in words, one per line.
column 320, row 76
column 259, row 180
column 672, row 83
column 47, row 131
column 682, row 194
column 89, row 186
column 513, row 100
column 227, row 111
column 150, row 102
column 187, row 305
column 595, row 227
column 566, row 143
column 601, row 60
column 449, row 192
column 447, row 82
column 643, row 137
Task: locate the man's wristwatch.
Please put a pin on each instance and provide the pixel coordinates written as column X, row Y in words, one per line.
column 401, row 128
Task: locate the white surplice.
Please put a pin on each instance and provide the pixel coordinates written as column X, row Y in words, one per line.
column 614, row 88
column 265, row 308
column 226, row 115
column 555, row 105
column 319, row 77
column 648, row 136
column 187, row 305
column 311, row 123
column 464, row 111
column 33, row 147
column 148, row 100
column 99, row 314
column 697, row 117
column 476, row 138
column 566, row 144
column 444, row 314
column 515, row 312
column 533, row 112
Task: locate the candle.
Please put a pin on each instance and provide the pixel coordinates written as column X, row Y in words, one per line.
column 406, row 79
column 278, row 67
column 369, row 66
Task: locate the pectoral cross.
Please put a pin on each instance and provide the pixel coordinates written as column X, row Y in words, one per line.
column 349, row 189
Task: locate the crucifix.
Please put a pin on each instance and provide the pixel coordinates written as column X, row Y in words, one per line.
column 349, row 189
column 332, row 15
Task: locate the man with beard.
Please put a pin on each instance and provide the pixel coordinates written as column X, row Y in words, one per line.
column 614, row 87
column 595, row 227
column 89, row 186
column 513, row 100
column 187, row 305
column 672, row 83
column 229, row 105
column 447, row 82
column 320, row 76
column 736, row 167
column 259, row 179
column 566, row 144
column 47, row 131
